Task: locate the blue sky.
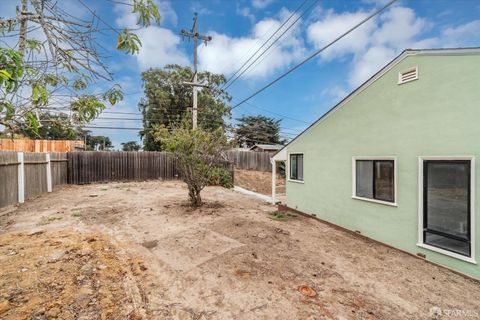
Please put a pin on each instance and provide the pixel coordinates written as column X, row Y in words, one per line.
column 239, row 27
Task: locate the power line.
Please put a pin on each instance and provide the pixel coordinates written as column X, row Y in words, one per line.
column 285, row 131
column 98, row 17
column 273, row 43
column 144, row 129
column 64, row 109
column 315, row 54
column 264, row 43
column 275, row 113
column 121, row 2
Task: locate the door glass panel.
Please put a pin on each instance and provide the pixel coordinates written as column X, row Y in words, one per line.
column 449, row 244
column 364, row 178
column 447, row 204
column 384, row 183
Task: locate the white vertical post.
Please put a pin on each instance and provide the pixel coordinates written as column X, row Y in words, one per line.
column 21, row 177
column 274, row 179
column 49, row 172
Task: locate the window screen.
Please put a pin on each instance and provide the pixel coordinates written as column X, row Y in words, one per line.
column 375, row 179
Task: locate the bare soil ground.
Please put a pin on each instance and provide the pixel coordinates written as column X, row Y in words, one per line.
column 137, row 251
column 258, row 181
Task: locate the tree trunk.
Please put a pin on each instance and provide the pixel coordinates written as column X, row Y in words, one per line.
column 195, row 198
column 22, row 39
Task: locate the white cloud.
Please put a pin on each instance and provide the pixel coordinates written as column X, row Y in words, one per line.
column 245, row 12
column 336, row 92
column 322, row 32
column 261, row 4
column 462, row 35
column 399, row 28
column 370, row 62
column 200, row 9
column 160, row 46
column 225, row 54
column 373, row 44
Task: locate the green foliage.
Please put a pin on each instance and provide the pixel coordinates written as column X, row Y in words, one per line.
column 34, row 44
column 11, row 69
column 32, row 121
column 198, row 152
column 94, row 143
column 30, row 76
column 86, row 108
column 281, row 216
column 39, row 95
column 113, row 95
column 221, row 177
column 79, row 84
column 261, row 129
column 7, row 110
column 129, row 42
column 54, row 127
column 146, row 10
column 168, row 101
column 98, row 143
column 130, row 146
column 54, row 80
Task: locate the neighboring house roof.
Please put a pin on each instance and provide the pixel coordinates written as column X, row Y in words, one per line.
column 381, row 72
column 272, row 147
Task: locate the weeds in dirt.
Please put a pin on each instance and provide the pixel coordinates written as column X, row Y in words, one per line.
column 77, row 214
column 46, row 220
column 280, row 216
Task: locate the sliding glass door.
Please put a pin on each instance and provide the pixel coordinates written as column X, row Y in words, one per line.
column 446, row 205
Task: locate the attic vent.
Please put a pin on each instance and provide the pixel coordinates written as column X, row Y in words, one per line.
column 408, row 75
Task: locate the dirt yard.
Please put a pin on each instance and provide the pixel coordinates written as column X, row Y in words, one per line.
column 258, row 181
column 137, row 251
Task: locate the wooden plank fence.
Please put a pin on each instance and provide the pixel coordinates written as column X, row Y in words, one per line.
column 250, row 160
column 8, row 178
column 29, row 145
column 35, row 174
column 59, row 164
column 92, row 167
column 26, row 175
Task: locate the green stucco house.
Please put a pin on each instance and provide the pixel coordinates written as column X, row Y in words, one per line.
column 396, row 159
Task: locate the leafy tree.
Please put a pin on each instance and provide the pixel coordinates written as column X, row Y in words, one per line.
column 257, row 129
column 54, row 127
column 98, row 143
column 168, row 101
column 55, row 54
column 198, row 152
column 130, row 146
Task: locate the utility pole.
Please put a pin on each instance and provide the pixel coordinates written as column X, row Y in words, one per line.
column 193, row 34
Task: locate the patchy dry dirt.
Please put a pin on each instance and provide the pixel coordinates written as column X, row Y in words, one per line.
column 259, row 181
column 67, row 275
column 231, row 259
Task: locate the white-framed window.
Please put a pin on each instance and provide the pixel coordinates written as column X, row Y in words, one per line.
column 446, row 210
column 374, row 179
column 295, row 166
column 408, row 75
